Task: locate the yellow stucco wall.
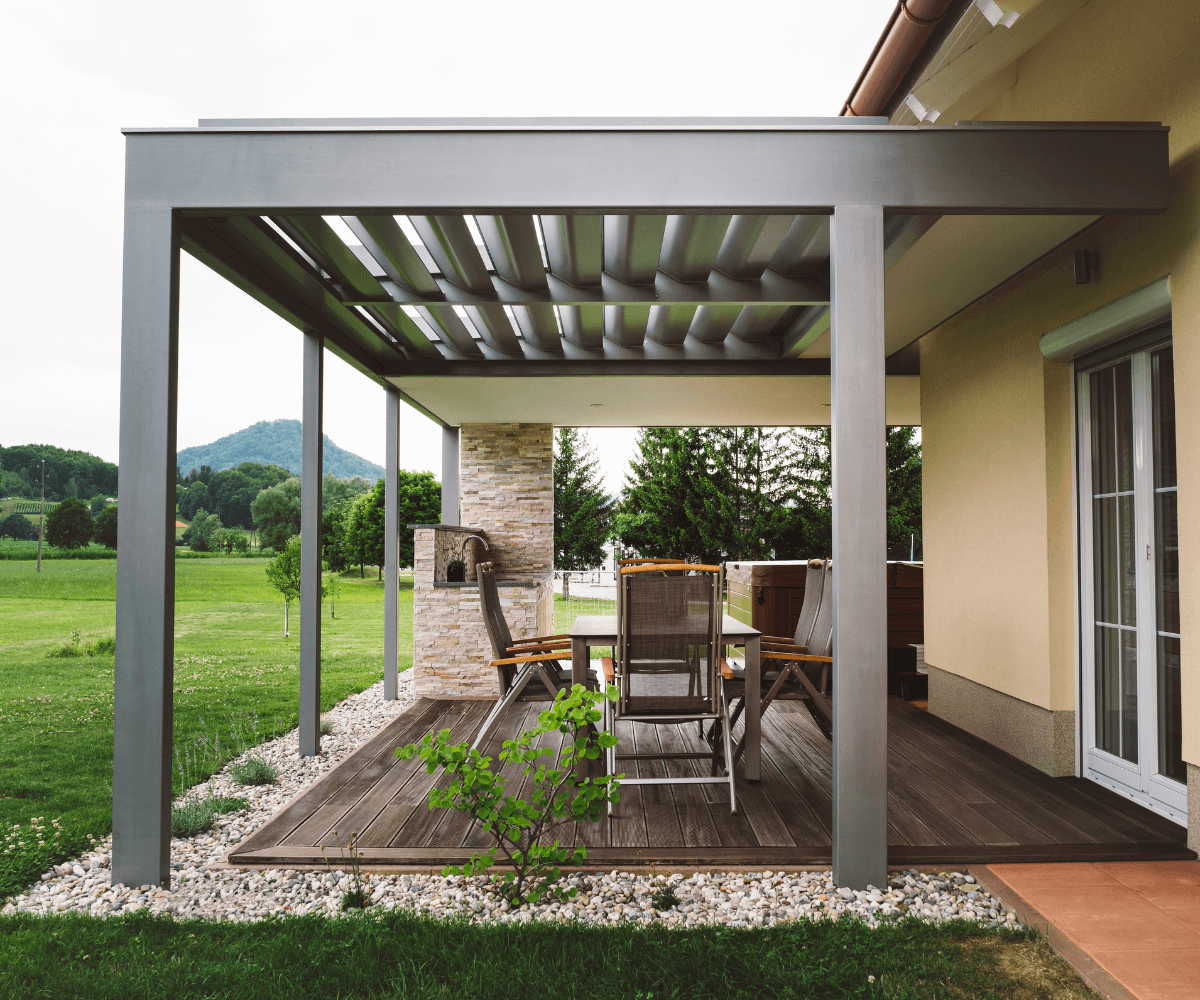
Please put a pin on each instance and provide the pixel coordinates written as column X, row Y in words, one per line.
column 997, row 417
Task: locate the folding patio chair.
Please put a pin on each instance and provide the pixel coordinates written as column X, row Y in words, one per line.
column 666, row 662
column 814, row 584
column 795, row 672
column 518, row 662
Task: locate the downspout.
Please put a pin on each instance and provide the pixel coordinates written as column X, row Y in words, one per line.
column 907, row 31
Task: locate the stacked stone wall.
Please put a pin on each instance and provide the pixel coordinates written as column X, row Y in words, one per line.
column 506, row 479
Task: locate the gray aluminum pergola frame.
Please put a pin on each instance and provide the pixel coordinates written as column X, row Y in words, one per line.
column 211, row 190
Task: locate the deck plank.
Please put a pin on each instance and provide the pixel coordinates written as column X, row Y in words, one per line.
column 952, row 800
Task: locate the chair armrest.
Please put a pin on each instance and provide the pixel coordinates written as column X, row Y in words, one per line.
column 726, row 669
column 537, row 647
column 606, row 665
column 804, row 656
column 784, row 647
column 542, row 638
column 791, row 639
column 524, row 659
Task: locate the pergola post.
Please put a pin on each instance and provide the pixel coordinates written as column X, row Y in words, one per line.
column 391, row 544
column 859, row 548
column 310, row 546
column 450, row 488
column 145, row 676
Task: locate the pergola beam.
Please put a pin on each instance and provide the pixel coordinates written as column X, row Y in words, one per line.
column 982, row 168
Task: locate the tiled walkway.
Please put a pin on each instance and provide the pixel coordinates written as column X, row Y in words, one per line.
column 1140, row 921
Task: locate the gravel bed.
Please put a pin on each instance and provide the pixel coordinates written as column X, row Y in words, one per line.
column 740, row 899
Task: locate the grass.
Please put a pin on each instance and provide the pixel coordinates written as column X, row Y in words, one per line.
column 398, row 955
column 235, row 684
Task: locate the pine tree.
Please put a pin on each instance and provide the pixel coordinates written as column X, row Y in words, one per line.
column 582, row 510
column 903, row 491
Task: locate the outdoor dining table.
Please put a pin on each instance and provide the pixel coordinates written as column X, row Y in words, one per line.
column 601, row 630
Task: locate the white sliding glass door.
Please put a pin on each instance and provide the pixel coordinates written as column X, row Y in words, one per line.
column 1130, row 580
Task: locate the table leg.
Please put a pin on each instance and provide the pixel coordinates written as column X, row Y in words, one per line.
column 579, row 661
column 753, row 753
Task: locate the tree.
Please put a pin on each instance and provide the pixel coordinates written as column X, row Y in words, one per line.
column 17, row 526
column 336, row 497
column 72, row 489
column 653, row 516
column 195, row 497
column 97, row 505
column 70, row 525
column 364, row 529
column 419, row 501
column 284, row 574
column 903, row 491
column 276, row 512
column 204, row 533
column 582, row 510
column 106, row 527
column 232, row 494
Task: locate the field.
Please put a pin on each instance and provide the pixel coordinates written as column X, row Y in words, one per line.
column 235, row 677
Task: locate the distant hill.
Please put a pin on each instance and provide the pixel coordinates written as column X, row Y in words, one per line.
column 68, row 473
column 273, row 442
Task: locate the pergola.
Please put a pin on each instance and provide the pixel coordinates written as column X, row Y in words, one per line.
column 612, row 250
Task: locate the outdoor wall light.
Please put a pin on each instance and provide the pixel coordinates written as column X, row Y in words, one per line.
column 1086, row 262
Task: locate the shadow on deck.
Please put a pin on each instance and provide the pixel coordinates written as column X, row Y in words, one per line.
column 952, row 800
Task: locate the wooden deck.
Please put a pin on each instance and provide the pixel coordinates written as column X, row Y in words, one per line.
column 952, row 799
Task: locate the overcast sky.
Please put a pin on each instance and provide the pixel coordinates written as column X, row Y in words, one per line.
column 73, row 74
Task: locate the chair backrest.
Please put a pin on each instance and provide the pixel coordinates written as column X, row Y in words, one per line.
column 493, row 615
column 669, row 639
column 814, row 585
column 820, row 642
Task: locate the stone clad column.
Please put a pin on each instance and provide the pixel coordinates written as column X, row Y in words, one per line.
column 507, row 492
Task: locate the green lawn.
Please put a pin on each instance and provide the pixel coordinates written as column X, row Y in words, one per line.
column 402, row 956
column 235, row 678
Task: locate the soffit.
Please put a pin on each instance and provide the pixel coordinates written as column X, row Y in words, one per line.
column 645, row 401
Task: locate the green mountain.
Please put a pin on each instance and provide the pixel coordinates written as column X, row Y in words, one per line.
column 273, row 442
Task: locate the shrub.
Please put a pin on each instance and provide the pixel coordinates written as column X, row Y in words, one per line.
column 106, row 527
column 520, row 828
column 195, row 814
column 326, row 727
column 69, row 525
column 253, row 770
column 17, row 526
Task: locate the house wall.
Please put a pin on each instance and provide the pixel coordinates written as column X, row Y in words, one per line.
column 997, row 417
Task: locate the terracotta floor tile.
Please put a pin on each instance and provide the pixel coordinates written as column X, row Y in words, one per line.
column 1054, row 876
column 1155, row 975
column 1181, row 902
column 1112, row 918
column 1152, row 874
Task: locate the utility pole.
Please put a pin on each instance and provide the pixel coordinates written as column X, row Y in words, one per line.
column 42, row 517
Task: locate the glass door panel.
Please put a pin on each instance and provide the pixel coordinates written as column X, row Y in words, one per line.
column 1130, row 537
column 1166, row 566
column 1114, row 565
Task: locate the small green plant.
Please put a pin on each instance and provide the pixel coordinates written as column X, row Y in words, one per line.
column 334, row 589
column 74, row 646
column 253, row 770
column 326, row 727
column 69, row 648
column 196, row 813
column 358, row 896
column 521, row 828
column 664, row 898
